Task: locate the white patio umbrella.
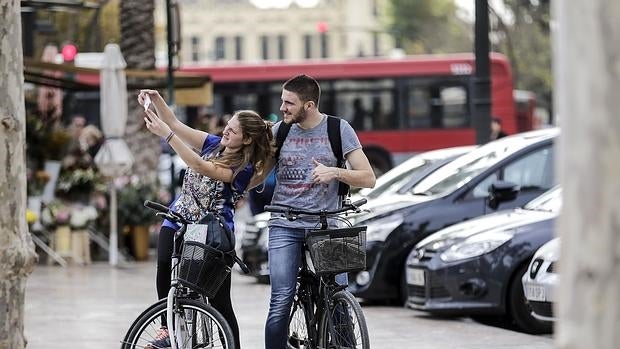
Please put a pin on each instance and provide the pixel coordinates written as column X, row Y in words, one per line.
column 114, row 158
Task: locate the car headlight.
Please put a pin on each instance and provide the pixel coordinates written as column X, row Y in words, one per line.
column 378, row 230
column 438, row 245
column 475, row 246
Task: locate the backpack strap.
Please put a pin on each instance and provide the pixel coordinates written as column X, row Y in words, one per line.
column 335, row 141
column 283, row 130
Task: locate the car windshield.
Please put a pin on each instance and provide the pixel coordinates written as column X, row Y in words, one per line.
column 550, row 201
column 460, row 171
column 397, row 177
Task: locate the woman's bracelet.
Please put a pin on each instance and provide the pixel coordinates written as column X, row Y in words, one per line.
column 169, row 137
column 338, row 176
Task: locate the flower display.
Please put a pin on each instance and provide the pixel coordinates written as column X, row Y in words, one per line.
column 36, row 181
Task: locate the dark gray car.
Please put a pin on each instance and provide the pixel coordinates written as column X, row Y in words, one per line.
column 476, row 267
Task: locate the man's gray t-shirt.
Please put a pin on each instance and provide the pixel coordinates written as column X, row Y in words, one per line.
column 294, row 185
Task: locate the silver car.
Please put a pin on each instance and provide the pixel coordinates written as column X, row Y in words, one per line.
column 541, row 280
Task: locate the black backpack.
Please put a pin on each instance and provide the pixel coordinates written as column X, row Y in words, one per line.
column 333, row 133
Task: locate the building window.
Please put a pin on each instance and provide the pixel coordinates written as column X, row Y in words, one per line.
column 281, row 47
column 307, row 46
column 220, row 48
column 264, row 44
column 238, row 48
column 375, row 43
column 324, row 46
column 195, row 48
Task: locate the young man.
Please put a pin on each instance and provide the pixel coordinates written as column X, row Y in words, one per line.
column 307, row 177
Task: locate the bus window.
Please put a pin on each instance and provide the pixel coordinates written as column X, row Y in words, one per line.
column 365, row 104
column 436, row 106
column 455, row 111
column 419, row 108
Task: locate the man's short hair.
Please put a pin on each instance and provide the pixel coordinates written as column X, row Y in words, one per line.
column 497, row 120
column 305, row 87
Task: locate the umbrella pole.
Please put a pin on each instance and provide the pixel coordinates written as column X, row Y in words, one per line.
column 113, row 226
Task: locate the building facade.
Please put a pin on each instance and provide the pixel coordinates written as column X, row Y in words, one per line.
column 252, row 31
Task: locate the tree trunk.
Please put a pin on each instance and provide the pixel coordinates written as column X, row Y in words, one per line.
column 138, row 47
column 587, row 81
column 17, row 254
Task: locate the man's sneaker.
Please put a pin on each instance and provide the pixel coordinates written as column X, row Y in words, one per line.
column 162, row 340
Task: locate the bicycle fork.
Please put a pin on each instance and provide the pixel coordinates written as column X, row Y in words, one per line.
column 170, row 317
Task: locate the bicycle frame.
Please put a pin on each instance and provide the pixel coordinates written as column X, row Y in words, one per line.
column 316, row 293
column 175, row 291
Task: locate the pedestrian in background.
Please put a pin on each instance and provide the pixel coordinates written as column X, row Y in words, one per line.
column 496, row 129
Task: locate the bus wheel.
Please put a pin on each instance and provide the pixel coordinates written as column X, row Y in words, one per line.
column 380, row 160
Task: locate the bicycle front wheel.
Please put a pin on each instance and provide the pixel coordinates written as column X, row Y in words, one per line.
column 196, row 325
column 344, row 325
column 298, row 326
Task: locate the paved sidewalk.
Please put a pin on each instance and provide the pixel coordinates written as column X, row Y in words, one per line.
column 92, row 307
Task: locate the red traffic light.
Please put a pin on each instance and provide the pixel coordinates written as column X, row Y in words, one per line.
column 69, row 51
column 322, row 27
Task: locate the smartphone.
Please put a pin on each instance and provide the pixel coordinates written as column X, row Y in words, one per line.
column 147, row 102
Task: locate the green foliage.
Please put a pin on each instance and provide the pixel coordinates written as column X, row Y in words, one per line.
column 524, row 36
column 131, row 210
column 429, row 26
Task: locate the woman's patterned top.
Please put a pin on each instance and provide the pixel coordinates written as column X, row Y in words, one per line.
column 201, row 194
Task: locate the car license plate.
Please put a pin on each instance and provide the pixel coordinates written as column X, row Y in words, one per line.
column 535, row 293
column 415, row 277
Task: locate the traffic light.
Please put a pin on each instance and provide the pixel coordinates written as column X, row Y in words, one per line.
column 69, row 51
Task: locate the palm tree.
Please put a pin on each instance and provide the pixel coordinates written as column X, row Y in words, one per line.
column 138, row 47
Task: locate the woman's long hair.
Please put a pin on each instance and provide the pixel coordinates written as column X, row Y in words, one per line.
column 258, row 151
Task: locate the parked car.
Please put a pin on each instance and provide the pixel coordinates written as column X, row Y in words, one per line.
column 541, row 279
column 475, row 267
column 404, row 176
column 456, row 192
column 399, row 179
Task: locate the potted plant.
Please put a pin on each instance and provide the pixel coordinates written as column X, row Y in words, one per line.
column 135, row 218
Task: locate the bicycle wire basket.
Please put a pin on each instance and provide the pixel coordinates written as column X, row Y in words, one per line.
column 335, row 251
column 203, row 268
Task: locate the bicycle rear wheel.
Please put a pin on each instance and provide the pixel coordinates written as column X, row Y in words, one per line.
column 197, row 325
column 344, row 325
column 298, row 326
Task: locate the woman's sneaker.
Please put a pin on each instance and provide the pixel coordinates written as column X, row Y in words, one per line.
column 161, row 341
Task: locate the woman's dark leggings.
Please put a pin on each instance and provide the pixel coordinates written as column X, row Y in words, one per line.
column 221, row 301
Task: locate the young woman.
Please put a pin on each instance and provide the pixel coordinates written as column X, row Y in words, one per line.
column 215, row 180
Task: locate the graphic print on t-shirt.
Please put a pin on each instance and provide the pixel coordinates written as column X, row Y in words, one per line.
column 296, row 166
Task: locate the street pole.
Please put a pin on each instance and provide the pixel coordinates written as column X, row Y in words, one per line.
column 482, row 81
column 170, row 71
column 170, row 83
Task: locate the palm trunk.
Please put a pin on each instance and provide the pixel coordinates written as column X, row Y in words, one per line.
column 138, row 47
column 17, row 254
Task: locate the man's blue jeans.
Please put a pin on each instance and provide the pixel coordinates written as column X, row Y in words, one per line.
column 284, row 258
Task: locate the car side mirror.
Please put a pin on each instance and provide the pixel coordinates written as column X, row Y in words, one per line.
column 502, row 191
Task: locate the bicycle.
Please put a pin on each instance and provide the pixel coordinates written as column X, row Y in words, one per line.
column 324, row 314
column 191, row 322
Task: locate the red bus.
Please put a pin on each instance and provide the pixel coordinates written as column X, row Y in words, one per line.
column 397, row 106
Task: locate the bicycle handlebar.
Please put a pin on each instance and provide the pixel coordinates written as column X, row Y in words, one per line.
column 166, row 212
column 289, row 211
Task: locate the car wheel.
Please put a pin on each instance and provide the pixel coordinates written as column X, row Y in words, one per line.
column 520, row 310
